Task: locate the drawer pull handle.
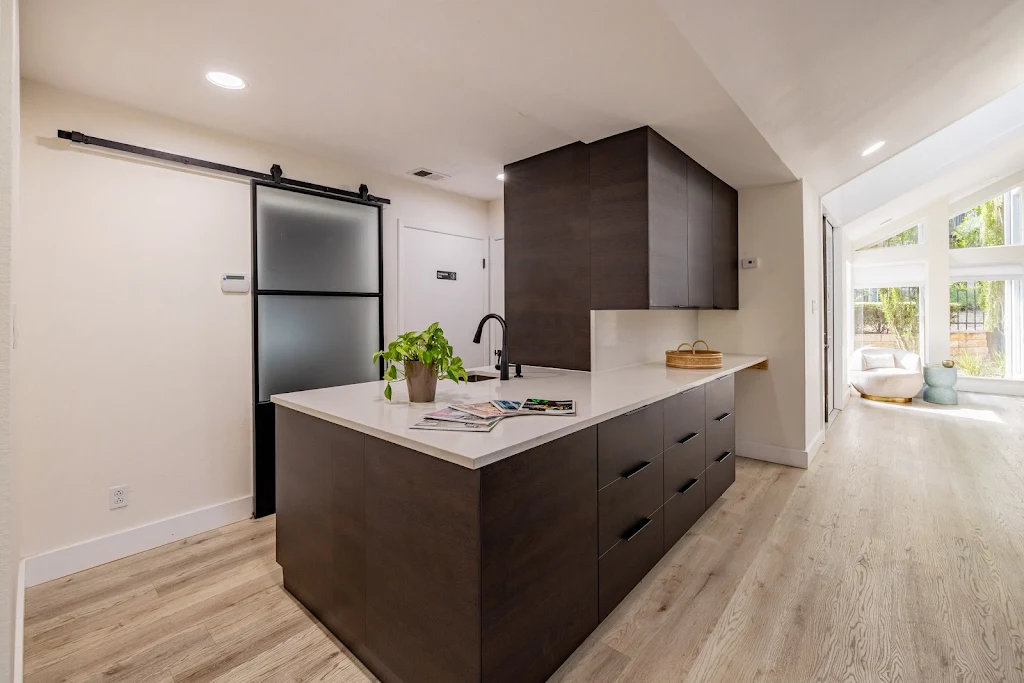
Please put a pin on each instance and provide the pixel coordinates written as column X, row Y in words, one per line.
column 689, row 485
column 634, row 411
column 722, row 417
column 690, row 437
column 631, row 534
column 637, row 470
column 723, row 456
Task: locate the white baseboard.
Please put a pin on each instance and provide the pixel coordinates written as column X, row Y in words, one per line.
column 755, row 450
column 87, row 554
column 991, row 385
column 18, row 668
column 815, row 445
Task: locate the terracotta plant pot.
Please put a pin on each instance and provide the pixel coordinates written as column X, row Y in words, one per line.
column 421, row 380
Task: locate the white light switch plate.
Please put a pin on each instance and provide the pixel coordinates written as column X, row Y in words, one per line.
column 750, row 262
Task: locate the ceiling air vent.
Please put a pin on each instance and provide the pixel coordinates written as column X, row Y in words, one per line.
column 428, row 174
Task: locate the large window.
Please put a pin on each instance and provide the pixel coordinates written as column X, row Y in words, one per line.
column 993, row 223
column 888, row 317
column 911, row 235
column 985, row 327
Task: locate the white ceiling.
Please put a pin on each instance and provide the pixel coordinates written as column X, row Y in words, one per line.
column 822, row 79
column 986, row 143
column 458, row 86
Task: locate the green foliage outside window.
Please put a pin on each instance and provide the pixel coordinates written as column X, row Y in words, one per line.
column 981, row 226
column 908, row 236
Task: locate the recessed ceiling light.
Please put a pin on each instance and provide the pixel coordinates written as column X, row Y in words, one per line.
column 873, row 148
column 223, row 80
column 501, row 177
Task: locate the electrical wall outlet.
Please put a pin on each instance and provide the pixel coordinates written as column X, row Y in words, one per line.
column 750, row 262
column 118, row 497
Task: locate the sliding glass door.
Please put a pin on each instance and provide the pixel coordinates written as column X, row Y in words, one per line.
column 317, row 308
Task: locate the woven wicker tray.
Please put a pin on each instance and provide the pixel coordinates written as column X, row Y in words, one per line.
column 694, row 358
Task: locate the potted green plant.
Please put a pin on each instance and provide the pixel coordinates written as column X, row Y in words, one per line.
column 420, row 358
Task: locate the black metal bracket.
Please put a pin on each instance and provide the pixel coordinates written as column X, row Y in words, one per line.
column 275, row 176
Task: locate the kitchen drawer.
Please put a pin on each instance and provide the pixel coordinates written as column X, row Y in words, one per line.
column 719, row 398
column 721, row 437
column 683, row 415
column 627, row 441
column 683, row 463
column 622, row 567
column 720, row 475
column 626, row 501
column 683, row 509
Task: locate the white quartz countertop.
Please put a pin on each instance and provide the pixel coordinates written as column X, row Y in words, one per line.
column 599, row 396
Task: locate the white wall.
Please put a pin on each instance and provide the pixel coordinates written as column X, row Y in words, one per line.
column 771, row 406
column 814, row 316
column 132, row 367
column 496, row 218
column 621, row 338
column 9, row 122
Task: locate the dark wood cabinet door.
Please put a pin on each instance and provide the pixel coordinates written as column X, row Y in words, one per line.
column 422, row 565
column 721, row 438
column 667, row 224
column 700, row 236
column 627, row 441
column 628, row 500
column 719, row 397
column 538, row 558
column 684, row 416
column 622, row 567
column 683, row 509
column 320, row 520
column 725, row 211
column 618, row 222
column 684, row 462
column 719, row 476
column 547, row 259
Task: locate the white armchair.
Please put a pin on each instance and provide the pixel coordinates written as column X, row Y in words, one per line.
column 886, row 374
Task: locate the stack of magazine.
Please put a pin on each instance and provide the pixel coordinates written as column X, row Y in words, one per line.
column 481, row 417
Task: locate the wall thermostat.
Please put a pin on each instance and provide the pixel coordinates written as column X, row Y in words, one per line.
column 750, row 262
column 233, row 282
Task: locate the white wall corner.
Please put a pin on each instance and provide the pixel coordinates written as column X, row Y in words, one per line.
column 63, row 562
column 18, row 665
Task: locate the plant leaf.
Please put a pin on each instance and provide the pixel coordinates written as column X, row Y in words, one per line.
column 392, row 373
column 387, row 391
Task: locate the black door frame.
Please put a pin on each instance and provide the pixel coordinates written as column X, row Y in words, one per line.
column 263, row 464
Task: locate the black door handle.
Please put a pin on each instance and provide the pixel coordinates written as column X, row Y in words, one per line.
column 722, row 417
column 689, row 485
column 690, row 437
column 723, row 456
column 631, row 534
column 637, row 470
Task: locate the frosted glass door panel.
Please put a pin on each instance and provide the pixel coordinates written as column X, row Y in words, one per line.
column 310, row 342
column 315, row 244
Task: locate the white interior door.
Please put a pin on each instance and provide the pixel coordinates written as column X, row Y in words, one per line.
column 442, row 278
column 496, row 265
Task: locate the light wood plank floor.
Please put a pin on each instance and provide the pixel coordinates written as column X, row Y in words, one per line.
column 899, row 556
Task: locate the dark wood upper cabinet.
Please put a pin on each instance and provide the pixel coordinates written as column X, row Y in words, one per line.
column 652, row 225
column 547, row 258
column 725, row 217
column 624, row 223
column 700, row 243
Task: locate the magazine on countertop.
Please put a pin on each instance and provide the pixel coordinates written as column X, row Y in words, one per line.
column 547, row 406
column 484, row 410
column 450, row 426
column 507, row 407
column 453, row 415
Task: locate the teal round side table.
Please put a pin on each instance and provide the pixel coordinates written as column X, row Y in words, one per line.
column 940, row 382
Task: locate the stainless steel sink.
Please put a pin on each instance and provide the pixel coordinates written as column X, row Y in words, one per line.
column 479, row 377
